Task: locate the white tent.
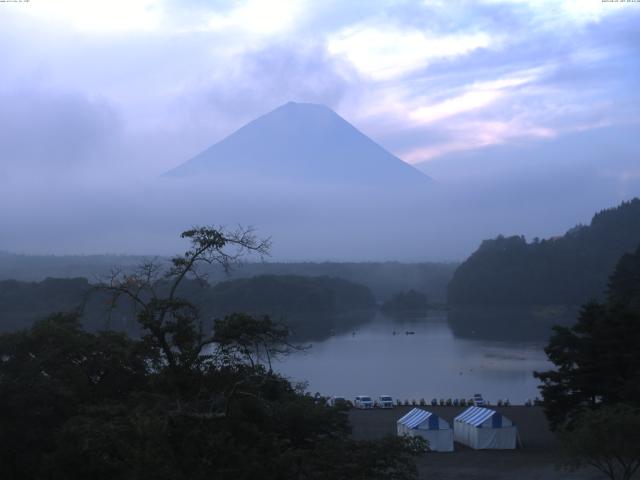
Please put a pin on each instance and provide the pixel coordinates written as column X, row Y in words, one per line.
column 481, row 428
column 420, row 423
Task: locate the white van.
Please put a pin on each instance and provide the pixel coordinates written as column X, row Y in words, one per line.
column 363, row 402
column 384, row 401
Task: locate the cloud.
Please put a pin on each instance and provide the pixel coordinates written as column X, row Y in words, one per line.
column 385, row 52
column 536, row 79
column 416, row 76
column 555, row 13
column 248, row 18
column 221, row 100
column 97, row 17
column 463, row 116
column 474, row 134
column 475, row 96
column 285, row 72
column 257, row 17
column 51, row 132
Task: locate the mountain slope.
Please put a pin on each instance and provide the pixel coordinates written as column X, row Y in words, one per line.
column 301, row 141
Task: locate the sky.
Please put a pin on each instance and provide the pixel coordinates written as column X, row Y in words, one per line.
column 96, row 88
column 99, row 98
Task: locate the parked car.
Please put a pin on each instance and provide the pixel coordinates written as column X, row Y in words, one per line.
column 384, row 401
column 363, row 402
column 338, row 402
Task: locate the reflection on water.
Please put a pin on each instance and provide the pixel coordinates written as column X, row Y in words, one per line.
column 433, row 362
column 310, row 327
column 514, row 324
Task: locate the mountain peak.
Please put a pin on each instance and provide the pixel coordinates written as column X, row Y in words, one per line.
column 292, row 113
column 301, row 141
column 292, row 104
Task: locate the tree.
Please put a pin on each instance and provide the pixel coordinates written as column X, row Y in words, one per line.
column 240, row 337
column 182, row 402
column 625, row 281
column 597, row 360
column 172, row 324
column 48, row 374
column 607, row 439
column 409, row 302
column 389, row 458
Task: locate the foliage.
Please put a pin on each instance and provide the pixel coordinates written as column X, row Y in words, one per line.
column 597, row 360
column 309, row 306
column 389, row 458
column 290, row 294
column 180, row 402
column 624, row 282
column 241, row 337
column 48, row 374
column 565, row 270
column 406, row 302
column 607, row 439
column 306, row 304
column 23, row 302
column 384, row 279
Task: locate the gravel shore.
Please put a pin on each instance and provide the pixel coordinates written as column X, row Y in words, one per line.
column 537, row 459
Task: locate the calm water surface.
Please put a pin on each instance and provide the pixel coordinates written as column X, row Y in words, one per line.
column 431, row 363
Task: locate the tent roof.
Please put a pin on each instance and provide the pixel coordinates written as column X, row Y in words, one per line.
column 475, row 415
column 415, row 417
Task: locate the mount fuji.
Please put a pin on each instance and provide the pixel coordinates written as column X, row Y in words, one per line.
column 302, row 142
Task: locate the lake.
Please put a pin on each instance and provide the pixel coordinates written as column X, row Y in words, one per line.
column 433, row 362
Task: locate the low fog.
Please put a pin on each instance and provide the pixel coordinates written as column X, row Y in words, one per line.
column 306, row 178
column 303, row 176
column 445, row 219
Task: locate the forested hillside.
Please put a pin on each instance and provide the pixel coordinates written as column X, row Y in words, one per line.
column 282, row 294
column 21, row 303
column 566, row 270
column 309, row 306
column 385, row 279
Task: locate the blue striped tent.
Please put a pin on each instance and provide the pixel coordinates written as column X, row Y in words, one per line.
column 482, row 428
column 429, row 426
